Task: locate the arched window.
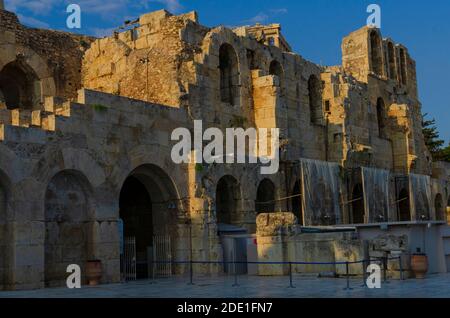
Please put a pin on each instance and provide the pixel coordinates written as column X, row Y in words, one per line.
column 18, row 86
column 228, row 195
column 315, row 99
column 404, row 211
column 229, row 75
column 277, row 70
column 439, row 208
column 381, row 117
column 403, row 74
column 265, row 197
column 391, row 59
column 376, row 53
column 358, row 213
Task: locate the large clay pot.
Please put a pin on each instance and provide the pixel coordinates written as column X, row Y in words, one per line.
column 419, row 265
column 94, row 272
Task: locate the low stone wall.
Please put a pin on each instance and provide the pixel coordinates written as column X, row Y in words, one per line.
column 281, row 240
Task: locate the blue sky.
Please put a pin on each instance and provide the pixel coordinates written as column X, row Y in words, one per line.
column 313, row 28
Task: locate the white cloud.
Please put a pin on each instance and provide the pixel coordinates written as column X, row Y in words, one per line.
column 263, row 17
column 32, row 22
column 38, row 7
column 101, row 7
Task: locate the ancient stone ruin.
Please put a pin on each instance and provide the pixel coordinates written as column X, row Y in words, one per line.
column 85, row 143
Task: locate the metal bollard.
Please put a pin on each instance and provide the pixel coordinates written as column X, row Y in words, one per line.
column 290, row 276
column 364, row 273
column 191, row 273
column 401, row 268
column 348, row 277
column 385, row 265
column 235, row 276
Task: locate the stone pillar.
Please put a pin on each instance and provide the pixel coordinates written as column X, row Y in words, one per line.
column 2, row 5
column 274, row 232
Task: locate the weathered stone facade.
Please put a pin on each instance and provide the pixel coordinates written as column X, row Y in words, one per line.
column 85, row 139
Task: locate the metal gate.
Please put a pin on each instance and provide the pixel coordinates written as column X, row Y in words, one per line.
column 159, row 258
column 129, row 258
column 162, row 254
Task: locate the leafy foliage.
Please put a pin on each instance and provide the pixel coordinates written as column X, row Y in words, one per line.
column 433, row 142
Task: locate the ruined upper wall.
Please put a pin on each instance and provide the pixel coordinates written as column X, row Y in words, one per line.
column 366, row 54
column 50, row 60
column 145, row 62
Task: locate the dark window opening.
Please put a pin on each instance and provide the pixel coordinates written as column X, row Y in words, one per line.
column 315, row 99
column 229, row 75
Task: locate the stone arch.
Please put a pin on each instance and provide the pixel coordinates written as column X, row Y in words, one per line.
column 376, row 54
column 265, row 197
column 357, row 204
column 439, row 207
column 381, row 117
column 404, row 210
column 149, row 206
column 228, row 199
column 19, row 86
column 297, row 202
column 391, row 61
column 276, row 69
column 229, row 75
column 315, row 99
column 68, row 210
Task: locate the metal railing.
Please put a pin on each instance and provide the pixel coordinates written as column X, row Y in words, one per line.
column 384, row 262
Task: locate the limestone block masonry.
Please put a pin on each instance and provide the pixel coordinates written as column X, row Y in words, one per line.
column 85, row 143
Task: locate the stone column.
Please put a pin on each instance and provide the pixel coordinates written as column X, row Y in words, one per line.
column 2, row 5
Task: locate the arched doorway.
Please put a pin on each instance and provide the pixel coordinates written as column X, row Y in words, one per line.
column 228, row 196
column 439, row 208
column 229, row 75
column 67, row 210
column 19, row 86
column 296, row 202
column 149, row 205
column 404, row 211
column 265, row 197
column 358, row 211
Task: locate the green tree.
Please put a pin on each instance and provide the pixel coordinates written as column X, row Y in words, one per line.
column 433, row 142
column 444, row 154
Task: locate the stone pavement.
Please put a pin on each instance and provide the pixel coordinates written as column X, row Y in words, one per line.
column 435, row 286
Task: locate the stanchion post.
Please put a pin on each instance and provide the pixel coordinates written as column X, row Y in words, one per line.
column 348, row 276
column 191, row 263
column 234, row 265
column 364, row 273
column 400, row 265
column 290, row 276
column 385, row 263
